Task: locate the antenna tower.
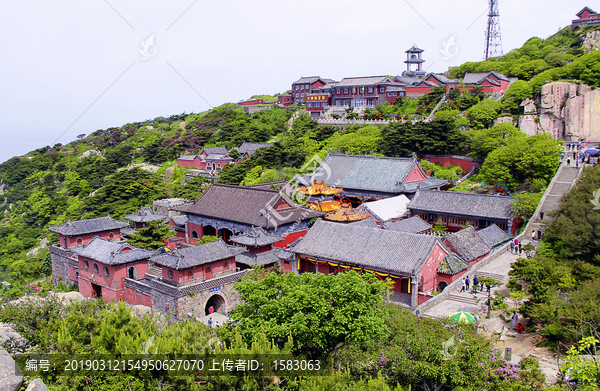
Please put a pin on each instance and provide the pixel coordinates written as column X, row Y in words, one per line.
column 493, row 39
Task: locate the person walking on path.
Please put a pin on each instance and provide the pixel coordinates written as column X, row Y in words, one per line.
column 520, row 248
column 568, row 162
column 541, row 215
column 515, row 317
column 577, row 163
column 462, row 286
column 533, row 235
column 512, row 247
column 467, row 283
column 475, row 283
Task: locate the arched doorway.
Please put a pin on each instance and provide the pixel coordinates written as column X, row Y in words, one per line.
column 209, row 230
column 132, row 273
column 442, row 285
column 217, row 302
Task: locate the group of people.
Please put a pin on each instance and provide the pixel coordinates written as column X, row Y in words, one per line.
column 466, row 284
column 516, row 247
column 212, row 324
column 517, row 327
column 577, row 146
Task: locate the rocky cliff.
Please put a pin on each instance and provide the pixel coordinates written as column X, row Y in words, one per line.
column 567, row 111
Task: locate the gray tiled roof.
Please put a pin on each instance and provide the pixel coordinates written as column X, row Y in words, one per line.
column 362, row 81
column 215, row 151
column 188, row 157
column 306, row 79
column 247, row 205
column 216, row 156
column 414, row 48
column 375, row 173
column 376, row 249
column 178, row 220
column 144, row 215
column 285, row 254
column 463, row 204
column 127, row 231
column 408, row 80
column 111, row 253
column 184, row 258
column 250, row 148
column 443, row 78
column 256, row 237
column 88, row 226
column 476, row 78
column 452, row 264
column 252, row 259
column 368, row 222
column 493, row 235
column 467, row 244
column 413, row 225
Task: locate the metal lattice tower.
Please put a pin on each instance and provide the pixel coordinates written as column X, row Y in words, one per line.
column 493, row 39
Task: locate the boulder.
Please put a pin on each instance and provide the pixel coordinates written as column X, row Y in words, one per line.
column 528, row 125
column 37, row 385
column 493, row 325
column 75, row 296
column 501, row 120
column 11, row 376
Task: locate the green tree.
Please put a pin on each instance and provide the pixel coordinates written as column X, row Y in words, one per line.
column 525, row 204
column 152, row 236
column 522, row 159
column 439, row 227
column 318, row 311
column 515, row 94
column 484, row 141
column 483, row 114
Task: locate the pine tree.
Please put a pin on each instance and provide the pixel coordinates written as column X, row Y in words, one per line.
column 152, row 236
column 439, row 228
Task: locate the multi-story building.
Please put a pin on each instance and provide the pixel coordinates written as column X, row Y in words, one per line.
column 365, row 91
column 305, row 86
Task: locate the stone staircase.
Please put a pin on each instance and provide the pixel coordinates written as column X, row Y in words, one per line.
column 560, row 187
column 498, row 277
column 470, row 299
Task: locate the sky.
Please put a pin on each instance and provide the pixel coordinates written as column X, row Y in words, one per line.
column 72, row 67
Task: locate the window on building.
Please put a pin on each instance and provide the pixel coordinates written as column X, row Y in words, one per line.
column 302, row 87
column 86, row 265
column 370, row 90
column 106, row 272
column 308, row 86
column 226, row 266
column 95, row 267
column 382, row 89
column 190, row 275
column 194, row 235
column 302, row 95
column 170, row 274
column 345, row 91
column 338, row 91
column 309, row 105
column 79, row 241
column 286, row 262
column 111, row 236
